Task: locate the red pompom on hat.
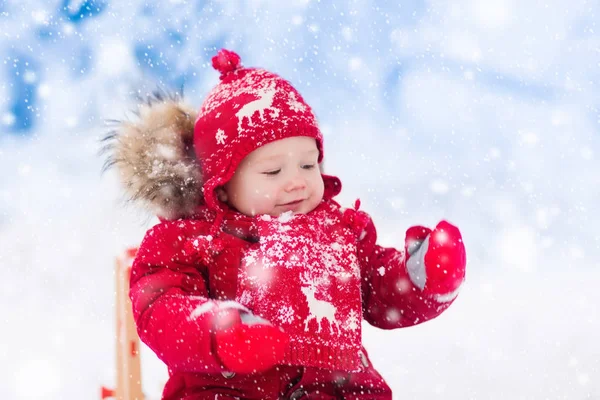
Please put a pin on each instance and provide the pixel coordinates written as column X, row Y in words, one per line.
column 226, row 61
column 249, row 108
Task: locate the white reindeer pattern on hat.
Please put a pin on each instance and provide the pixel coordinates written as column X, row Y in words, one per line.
column 260, row 105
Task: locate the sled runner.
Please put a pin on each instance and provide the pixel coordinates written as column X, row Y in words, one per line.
column 129, row 378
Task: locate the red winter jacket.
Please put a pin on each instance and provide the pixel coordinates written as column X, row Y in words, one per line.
column 172, row 284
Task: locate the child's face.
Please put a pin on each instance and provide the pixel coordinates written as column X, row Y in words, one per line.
column 277, row 177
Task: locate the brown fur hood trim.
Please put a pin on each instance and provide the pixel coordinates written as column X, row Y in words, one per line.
column 154, row 156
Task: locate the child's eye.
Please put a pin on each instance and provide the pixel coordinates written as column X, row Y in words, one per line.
column 308, row 166
column 273, row 172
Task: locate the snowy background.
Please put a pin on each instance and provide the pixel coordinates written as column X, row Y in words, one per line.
column 482, row 112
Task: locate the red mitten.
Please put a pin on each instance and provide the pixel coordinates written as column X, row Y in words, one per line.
column 437, row 259
column 246, row 343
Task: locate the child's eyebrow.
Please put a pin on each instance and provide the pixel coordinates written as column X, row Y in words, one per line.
column 312, row 151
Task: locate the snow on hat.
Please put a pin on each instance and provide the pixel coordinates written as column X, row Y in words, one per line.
column 249, row 108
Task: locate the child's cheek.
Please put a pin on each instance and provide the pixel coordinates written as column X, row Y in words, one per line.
column 261, row 199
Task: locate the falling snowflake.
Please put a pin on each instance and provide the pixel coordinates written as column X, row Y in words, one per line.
column 221, row 136
column 294, row 104
column 393, row 315
column 352, row 322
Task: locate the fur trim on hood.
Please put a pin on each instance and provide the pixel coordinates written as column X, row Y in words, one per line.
column 155, row 159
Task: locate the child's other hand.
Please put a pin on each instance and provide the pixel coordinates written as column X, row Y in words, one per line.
column 247, row 343
column 436, row 258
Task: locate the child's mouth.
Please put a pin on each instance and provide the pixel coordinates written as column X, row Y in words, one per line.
column 292, row 205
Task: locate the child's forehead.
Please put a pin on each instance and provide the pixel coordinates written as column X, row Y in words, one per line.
column 288, row 147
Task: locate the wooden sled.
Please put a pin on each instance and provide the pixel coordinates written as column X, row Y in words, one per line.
column 129, row 377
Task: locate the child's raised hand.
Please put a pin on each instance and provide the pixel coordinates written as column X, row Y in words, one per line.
column 246, row 343
column 436, row 258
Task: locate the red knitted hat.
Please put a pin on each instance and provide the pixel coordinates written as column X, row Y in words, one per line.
column 249, row 108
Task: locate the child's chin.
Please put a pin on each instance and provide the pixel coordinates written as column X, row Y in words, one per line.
column 302, row 208
column 279, row 213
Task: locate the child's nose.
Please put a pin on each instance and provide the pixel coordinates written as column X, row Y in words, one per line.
column 295, row 183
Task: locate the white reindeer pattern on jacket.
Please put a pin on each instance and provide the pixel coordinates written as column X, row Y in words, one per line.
column 318, row 309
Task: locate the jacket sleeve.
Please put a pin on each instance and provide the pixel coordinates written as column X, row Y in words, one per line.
column 173, row 304
column 390, row 298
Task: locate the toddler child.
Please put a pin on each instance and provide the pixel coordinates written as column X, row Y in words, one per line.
column 255, row 282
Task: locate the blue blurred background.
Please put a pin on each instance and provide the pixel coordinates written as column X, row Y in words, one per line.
column 484, row 113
